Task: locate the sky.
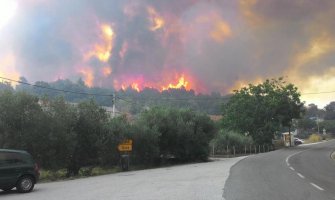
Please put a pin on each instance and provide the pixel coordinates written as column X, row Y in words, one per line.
column 208, row 46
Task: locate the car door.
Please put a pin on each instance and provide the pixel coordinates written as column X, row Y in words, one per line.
column 9, row 169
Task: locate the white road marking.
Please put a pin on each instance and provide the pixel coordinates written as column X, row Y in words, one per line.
column 288, row 157
column 316, row 186
column 301, row 176
column 288, row 164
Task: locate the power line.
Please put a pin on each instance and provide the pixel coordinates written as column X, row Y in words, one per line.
column 324, row 92
column 111, row 95
column 140, row 98
column 55, row 89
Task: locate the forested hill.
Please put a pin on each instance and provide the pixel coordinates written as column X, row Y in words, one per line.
column 128, row 100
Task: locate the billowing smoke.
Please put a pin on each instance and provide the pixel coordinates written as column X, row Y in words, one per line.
column 212, row 45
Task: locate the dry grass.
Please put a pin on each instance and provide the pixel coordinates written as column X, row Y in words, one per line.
column 314, row 138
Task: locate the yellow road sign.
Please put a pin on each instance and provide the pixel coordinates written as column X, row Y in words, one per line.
column 125, row 147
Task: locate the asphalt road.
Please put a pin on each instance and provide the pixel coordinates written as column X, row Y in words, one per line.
column 194, row 181
column 303, row 172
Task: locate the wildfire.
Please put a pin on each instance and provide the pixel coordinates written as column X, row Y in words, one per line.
column 135, row 87
column 103, row 50
column 88, row 76
column 139, row 83
column 157, row 21
column 106, row 71
column 181, row 83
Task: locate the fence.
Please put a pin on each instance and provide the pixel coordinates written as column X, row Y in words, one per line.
column 234, row 151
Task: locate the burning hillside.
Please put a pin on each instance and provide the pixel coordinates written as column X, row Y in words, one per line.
column 202, row 45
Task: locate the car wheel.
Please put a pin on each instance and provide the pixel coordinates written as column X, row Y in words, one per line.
column 25, row 184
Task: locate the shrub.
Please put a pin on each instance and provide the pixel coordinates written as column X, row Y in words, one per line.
column 230, row 138
column 314, row 138
column 166, row 133
column 49, row 175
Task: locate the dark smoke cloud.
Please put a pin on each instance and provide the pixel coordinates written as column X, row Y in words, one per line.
column 49, row 39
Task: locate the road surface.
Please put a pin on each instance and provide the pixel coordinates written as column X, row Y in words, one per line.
column 304, row 172
column 194, row 181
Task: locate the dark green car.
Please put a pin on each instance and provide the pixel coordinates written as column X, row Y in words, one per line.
column 17, row 169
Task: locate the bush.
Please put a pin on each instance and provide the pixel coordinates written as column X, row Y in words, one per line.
column 181, row 134
column 278, row 144
column 49, row 175
column 314, row 138
column 230, row 138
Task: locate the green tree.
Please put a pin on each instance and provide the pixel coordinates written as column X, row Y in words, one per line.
column 328, row 125
column 114, row 132
column 260, row 110
column 88, row 130
column 330, row 111
column 62, row 120
column 23, row 124
column 183, row 134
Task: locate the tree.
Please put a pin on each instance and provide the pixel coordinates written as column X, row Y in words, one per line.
column 260, row 110
column 183, row 134
column 115, row 131
column 330, row 111
column 62, row 120
column 328, row 125
column 313, row 112
column 6, row 86
column 23, row 124
column 88, row 130
column 23, row 87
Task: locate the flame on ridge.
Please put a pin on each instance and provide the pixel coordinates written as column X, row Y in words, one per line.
column 181, row 83
column 139, row 84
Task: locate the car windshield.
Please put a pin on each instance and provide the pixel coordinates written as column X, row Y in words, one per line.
column 167, row 99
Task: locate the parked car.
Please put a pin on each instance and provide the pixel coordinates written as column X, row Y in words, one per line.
column 298, row 141
column 17, row 169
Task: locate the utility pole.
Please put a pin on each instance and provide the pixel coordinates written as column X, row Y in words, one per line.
column 289, row 133
column 317, row 123
column 114, row 100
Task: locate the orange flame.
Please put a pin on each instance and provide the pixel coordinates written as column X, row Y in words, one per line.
column 157, row 21
column 181, row 83
column 88, row 76
column 106, row 71
column 135, row 87
column 103, row 50
column 139, row 83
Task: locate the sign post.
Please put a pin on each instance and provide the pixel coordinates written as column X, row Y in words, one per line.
column 125, row 148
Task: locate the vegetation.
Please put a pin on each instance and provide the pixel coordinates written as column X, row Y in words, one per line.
column 314, row 138
column 230, row 139
column 83, row 138
column 128, row 100
column 261, row 110
column 317, row 120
